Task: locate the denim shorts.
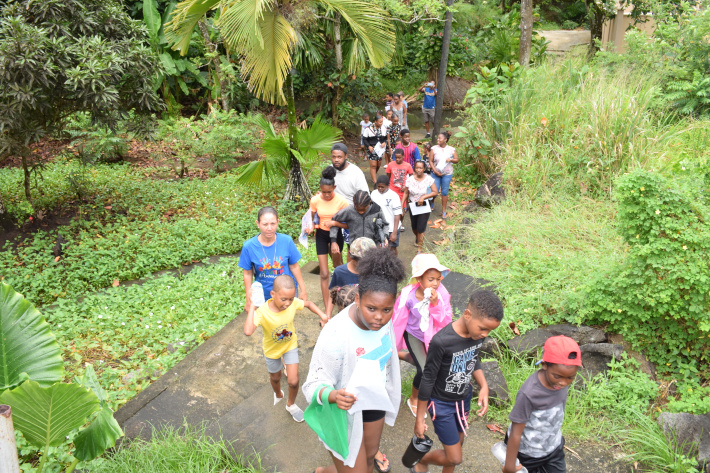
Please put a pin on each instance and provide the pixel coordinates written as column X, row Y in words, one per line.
column 442, row 182
column 396, row 243
column 275, row 365
column 450, row 418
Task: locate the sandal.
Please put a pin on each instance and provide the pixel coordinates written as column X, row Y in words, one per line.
column 411, row 409
column 380, row 464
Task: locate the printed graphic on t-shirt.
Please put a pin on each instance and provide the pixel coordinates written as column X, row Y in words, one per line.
column 462, row 366
column 281, row 334
column 542, row 433
column 399, row 177
column 382, row 353
column 269, row 269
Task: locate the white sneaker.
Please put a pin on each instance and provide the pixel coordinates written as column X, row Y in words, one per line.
column 278, row 399
column 295, row 412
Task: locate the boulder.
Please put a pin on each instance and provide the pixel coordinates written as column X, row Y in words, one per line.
column 596, row 356
column 491, row 192
column 529, row 343
column 497, row 386
column 582, row 334
column 490, row 347
column 690, row 430
column 460, row 286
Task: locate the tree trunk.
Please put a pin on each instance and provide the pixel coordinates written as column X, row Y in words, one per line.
column 297, row 186
column 212, row 48
column 441, row 84
column 5, row 219
column 8, row 449
column 339, row 69
column 526, row 24
column 596, row 24
column 27, row 172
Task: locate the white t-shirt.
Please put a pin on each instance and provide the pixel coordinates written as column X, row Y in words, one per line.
column 390, row 204
column 349, row 181
column 363, row 125
column 440, row 157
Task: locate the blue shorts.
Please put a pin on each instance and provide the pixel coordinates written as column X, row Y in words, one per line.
column 442, row 182
column 450, row 419
column 396, row 242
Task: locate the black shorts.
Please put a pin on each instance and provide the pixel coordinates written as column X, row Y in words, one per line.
column 323, row 241
column 552, row 463
column 419, row 222
column 372, row 416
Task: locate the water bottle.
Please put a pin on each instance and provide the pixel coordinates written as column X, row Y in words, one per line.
column 416, row 450
column 257, row 294
column 499, row 451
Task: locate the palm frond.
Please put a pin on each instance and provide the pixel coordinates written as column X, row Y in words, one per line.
column 308, row 53
column 371, row 25
column 317, row 138
column 265, row 125
column 266, row 51
column 178, row 31
column 354, row 55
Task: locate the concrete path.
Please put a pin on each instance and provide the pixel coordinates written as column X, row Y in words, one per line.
column 223, row 384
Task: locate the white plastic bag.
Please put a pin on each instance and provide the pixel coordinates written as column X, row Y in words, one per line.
column 423, row 308
column 306, row 226
column 257, row 294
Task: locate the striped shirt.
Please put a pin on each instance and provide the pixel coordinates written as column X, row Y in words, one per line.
column 411, row 152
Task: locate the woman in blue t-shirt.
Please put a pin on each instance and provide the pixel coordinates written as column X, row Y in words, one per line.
column 268, row 255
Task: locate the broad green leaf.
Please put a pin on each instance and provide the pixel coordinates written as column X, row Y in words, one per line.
column 101, row 434
column 91, row 381
column 152, row 18
column 168, row 63
column 45, row 416
column 27, row 345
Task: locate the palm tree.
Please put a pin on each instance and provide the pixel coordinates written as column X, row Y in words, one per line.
column 267, row 33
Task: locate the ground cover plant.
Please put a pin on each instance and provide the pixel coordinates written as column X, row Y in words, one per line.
column 130, row 227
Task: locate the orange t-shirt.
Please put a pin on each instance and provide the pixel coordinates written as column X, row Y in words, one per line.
column 326, row 209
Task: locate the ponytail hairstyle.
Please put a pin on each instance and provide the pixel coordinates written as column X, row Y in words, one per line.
column 327, row 177
column 446, row 135
column 361, row 198
column 266, row 211
column 380, row 270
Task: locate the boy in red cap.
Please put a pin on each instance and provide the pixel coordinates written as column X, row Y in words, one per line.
column 535, row 436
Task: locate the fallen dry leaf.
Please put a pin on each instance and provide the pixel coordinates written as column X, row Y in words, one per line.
column 445, row 241
column 495, row 428
column 108, row 207
column 514, row 328
column 438, row 220
column 436, row 225
column 57, row 259
column 115, row 283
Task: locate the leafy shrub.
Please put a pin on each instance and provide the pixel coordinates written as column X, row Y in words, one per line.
column 659, row 298
column 692, row 397
column 623, row 388
column 569, row 25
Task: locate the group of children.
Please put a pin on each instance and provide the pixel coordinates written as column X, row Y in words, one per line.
column 354, row 377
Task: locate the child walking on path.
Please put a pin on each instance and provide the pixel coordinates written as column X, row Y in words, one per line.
column 356, row 351
column 422, row 309
column 347, row 274
column 534, row 436
column 362, row 219
column 391, row 206
column 280, row 341
column 452, row 360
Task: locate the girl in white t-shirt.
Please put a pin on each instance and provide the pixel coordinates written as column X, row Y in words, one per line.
column 360, row 341
column 441, row 159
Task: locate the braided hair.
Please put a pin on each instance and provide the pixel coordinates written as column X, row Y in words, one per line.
column 343, row 296
column 362, row 199
column 380, row 270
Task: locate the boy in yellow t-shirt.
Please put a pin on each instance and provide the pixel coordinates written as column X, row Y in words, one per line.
column 280, row 341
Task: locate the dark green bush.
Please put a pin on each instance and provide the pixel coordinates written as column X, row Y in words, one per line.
column 659, row 298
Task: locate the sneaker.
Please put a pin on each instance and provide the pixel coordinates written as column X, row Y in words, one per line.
column 295, row 412
column 428, row 135
column 278, row 399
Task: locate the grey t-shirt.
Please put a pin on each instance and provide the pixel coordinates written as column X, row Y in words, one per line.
column 542, row 411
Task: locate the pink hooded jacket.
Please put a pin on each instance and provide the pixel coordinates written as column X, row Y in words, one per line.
column 440, row 315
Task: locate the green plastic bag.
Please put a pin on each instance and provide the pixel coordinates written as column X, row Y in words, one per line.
column 328, row 422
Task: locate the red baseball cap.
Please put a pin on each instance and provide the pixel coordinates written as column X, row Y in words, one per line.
column 562, row 350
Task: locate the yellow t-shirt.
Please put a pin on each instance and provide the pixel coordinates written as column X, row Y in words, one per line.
column 278, row 329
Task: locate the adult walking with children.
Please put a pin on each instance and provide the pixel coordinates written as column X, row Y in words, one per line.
column 348, row 178
column 268, row 255
column 416, row 195
column 442, row 158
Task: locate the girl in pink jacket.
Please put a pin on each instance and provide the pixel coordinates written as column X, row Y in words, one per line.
column 422, row 309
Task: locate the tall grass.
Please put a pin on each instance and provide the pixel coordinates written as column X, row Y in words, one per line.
column 577, row 127
column 175, row 451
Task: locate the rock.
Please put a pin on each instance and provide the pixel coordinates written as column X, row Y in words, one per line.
column 595, row 357
column 468, row 221
column 490, row 347
column 529, row 343
column 644, row 365
column 497, row 386
column 460, row 286
column 582, row 334
column 406, row 370
column 142, row 374
column 690, row 430
column 185, row 347
column 491, row 192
